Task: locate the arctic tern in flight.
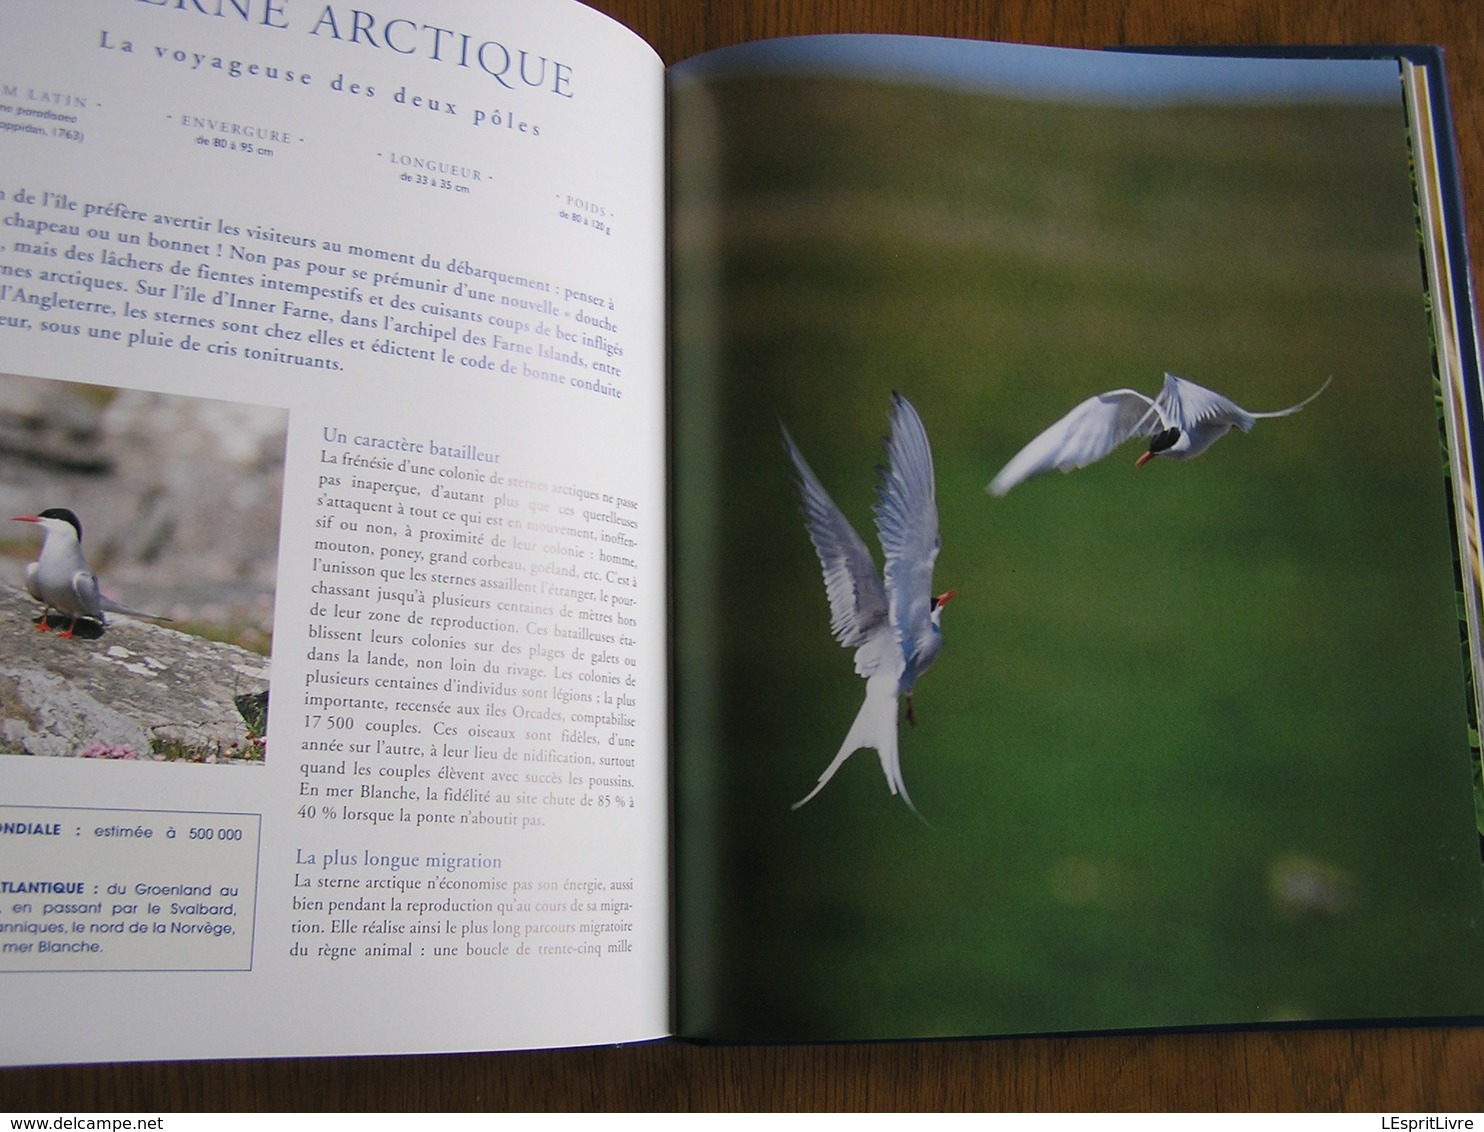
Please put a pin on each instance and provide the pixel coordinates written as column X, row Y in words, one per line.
column 61, row 579
column 892, row 620
column 1181, row 423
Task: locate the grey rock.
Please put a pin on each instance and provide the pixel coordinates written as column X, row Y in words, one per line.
column 158, row 691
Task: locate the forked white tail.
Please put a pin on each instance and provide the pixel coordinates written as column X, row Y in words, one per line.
column 875, row 727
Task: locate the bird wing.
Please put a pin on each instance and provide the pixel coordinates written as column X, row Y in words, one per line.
column 1188, row 406
column 907, row 522
column 857, row 601
column 1084, row 436
column 85, row 593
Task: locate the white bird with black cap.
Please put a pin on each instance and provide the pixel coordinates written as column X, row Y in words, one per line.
column 893, row 621
column 61, row 578
column 1181, row 423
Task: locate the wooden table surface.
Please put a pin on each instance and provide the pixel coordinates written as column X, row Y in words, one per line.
column 1391, row 1069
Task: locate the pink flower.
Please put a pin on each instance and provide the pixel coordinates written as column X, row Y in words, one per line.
column 106, row 751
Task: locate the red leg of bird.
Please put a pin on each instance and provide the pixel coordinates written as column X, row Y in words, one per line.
column 67, row 632
column 911, row 719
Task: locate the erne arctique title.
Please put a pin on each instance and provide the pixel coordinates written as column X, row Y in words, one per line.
column 514, row 68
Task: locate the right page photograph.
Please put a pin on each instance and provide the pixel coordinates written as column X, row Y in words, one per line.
column 1068, row 633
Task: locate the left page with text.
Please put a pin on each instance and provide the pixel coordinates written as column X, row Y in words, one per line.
column 332, row 684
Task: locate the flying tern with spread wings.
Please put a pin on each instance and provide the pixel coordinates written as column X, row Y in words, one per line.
column 1181, row 423
column 892, row 620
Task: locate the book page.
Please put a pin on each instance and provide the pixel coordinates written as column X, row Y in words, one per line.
column 1455, row 349
column 1157, row 557
column 331, row 341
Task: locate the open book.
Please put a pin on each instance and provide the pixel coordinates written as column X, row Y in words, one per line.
column 447, row 451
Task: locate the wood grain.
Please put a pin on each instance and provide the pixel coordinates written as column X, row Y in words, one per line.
column 1333, row 1070
column 1382, row 1069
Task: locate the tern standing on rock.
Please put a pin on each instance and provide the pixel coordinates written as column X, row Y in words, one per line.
column 62, row 580
column 892, row 621
column 1181, row 423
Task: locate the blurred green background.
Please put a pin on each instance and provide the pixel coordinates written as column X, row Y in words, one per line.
column 1196, row 750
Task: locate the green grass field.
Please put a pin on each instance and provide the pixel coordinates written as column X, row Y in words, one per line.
column 1196, row 749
